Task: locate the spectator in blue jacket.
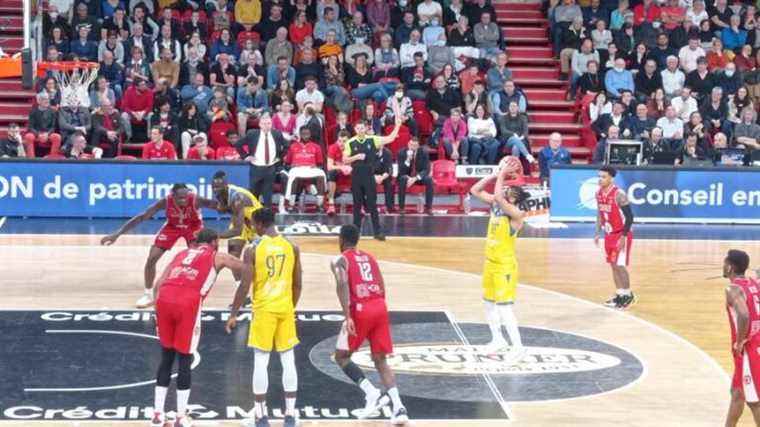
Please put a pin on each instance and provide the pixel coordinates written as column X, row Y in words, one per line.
column 225, row 44
column 197, row 92
column 618, row 79
column 252, row 100
column 83, row 48
column 552, row 154
column 733, row 37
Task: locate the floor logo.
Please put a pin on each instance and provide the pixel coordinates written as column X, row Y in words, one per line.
column 478, row 359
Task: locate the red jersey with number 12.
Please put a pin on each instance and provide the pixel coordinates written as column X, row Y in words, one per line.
column 365, row 283
column 190, row 275
column 188, row 216
column 609, row 210
column 752, row 297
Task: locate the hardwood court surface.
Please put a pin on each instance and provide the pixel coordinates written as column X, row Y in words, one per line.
column 676, row 280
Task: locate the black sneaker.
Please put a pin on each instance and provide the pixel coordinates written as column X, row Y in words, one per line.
column 626, row 301
column 613, row 302
column 380, row 237
column 289, row 421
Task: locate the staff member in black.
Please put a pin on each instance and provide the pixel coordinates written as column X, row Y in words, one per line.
column 414, row 169
column 384, row 176
column 361, row 153
column 264, row 150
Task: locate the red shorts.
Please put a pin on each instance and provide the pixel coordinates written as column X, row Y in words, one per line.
column 614, row 256
column 372, row 323
column 168, row 235
column 178, row 323
column 747, row 373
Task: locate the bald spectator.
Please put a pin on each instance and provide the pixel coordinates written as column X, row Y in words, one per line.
column 408, row 50
column 43, row 122
column 618, row 79
column 107, row 128
column 278, row 47
column 673, row 79
column 487, row 36
column 553, row 154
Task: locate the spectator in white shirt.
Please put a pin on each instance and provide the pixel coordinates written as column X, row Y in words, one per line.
column 672, row 78
column 672, row 127
column 684, row 104
column 310, row 94
column 689, row 54
column 408, row 50
column 484, row 147
column 427, row 10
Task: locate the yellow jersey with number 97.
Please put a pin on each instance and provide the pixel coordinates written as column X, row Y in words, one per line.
column 501, row 239
column 273, row 275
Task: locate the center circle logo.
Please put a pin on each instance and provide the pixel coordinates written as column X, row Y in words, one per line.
column 587, row 193
column 479, row 359
column 431, row 362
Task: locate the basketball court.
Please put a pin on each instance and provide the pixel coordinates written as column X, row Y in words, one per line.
column 85, row 357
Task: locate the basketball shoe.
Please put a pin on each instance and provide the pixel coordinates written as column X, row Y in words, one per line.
column 146, row 300
column 626, row 301
column 613, row 302
column 399, row 417
column 159, row 419
column 289, row 421
column 373, row 402
column 183, row 421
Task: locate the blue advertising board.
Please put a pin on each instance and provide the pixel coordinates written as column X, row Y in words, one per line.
column 663, row 194
column 102, row 188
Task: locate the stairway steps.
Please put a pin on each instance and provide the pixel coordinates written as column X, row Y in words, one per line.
column 534, row 73
column 11, row 9
column 533, row 62
column 540, row 127
column 521, row 22
column 530, row 52
column 521, row 14
column 541, row 83
column 531, row 32
column 545, row 94
column 516, row 6
column 554, row 117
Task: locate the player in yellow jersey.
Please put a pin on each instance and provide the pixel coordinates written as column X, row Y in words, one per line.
column 241, row 205
column 500, row 268
column 273, row 265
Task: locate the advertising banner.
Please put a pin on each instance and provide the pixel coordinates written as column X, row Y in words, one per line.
column 662, row 194
column 102, row 188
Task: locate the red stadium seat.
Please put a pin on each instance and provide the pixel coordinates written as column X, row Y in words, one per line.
column 125, row 157
column 423, row 118
column 401, row 141
column 227, row 153
column 445, row 179
column 218, row 134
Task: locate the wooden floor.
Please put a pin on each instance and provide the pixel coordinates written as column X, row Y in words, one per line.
column 678, row 328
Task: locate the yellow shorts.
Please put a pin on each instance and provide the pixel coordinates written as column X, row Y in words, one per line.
column 499, row 282
column 247, row 233
column 273, row 330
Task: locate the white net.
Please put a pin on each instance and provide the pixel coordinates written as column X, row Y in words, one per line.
column 75, row 85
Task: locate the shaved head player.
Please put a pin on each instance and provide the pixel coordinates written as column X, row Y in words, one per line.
column 743, row 308
column 183, row 220
column 180, row 292
column 361, row 291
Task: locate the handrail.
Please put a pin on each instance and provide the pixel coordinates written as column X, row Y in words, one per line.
column 27, row 24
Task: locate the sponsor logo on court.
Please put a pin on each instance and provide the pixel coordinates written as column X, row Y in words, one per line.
column 447, row 359
column 308, row 228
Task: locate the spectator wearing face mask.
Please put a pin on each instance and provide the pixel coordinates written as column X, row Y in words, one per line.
column 618, row 79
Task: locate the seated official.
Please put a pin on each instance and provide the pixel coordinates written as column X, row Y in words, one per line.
column 414, row 169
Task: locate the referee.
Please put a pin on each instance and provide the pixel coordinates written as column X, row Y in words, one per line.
column 361, row 153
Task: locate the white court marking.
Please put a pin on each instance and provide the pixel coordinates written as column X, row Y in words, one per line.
column 196, row 362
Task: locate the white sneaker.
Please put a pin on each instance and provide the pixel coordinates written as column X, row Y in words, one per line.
column 313, row 190
column 281, row 207
column 530, row 158
column 146, row 300
column 158, row 420
column 183, row 421
column 399, row 417
column 374, row 401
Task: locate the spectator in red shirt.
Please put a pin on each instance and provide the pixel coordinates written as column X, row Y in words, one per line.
column 648, row 11
column 201, row 150
column 306, row 162
column 336, row 168
column 157, row 148
column 136, row 103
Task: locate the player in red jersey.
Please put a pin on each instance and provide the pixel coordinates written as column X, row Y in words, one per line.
column 183, row 219
column 179, row 295
column 361, row 291
column 743, row 307
column 615, row 217
column 306, row 161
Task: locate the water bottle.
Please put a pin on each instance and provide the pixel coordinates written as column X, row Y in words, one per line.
column 467, row 205
column 419, row 205
column 301, row 203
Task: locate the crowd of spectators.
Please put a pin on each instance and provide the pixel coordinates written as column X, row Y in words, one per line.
column 681, row 76
column 185, row 79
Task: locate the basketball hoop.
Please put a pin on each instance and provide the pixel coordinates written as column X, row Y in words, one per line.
column 74, row 78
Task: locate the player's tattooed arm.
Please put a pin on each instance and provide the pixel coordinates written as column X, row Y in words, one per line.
column 237, row 220
column 735, row 300
column 479, row 189
column 224, row 260
column 514, row 212
column 339, row 270
column 625, row 207
column 297, row 275
column 132, row 223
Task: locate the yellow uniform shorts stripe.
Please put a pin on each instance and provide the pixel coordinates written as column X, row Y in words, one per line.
column 273, row 331
column 499, row 282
